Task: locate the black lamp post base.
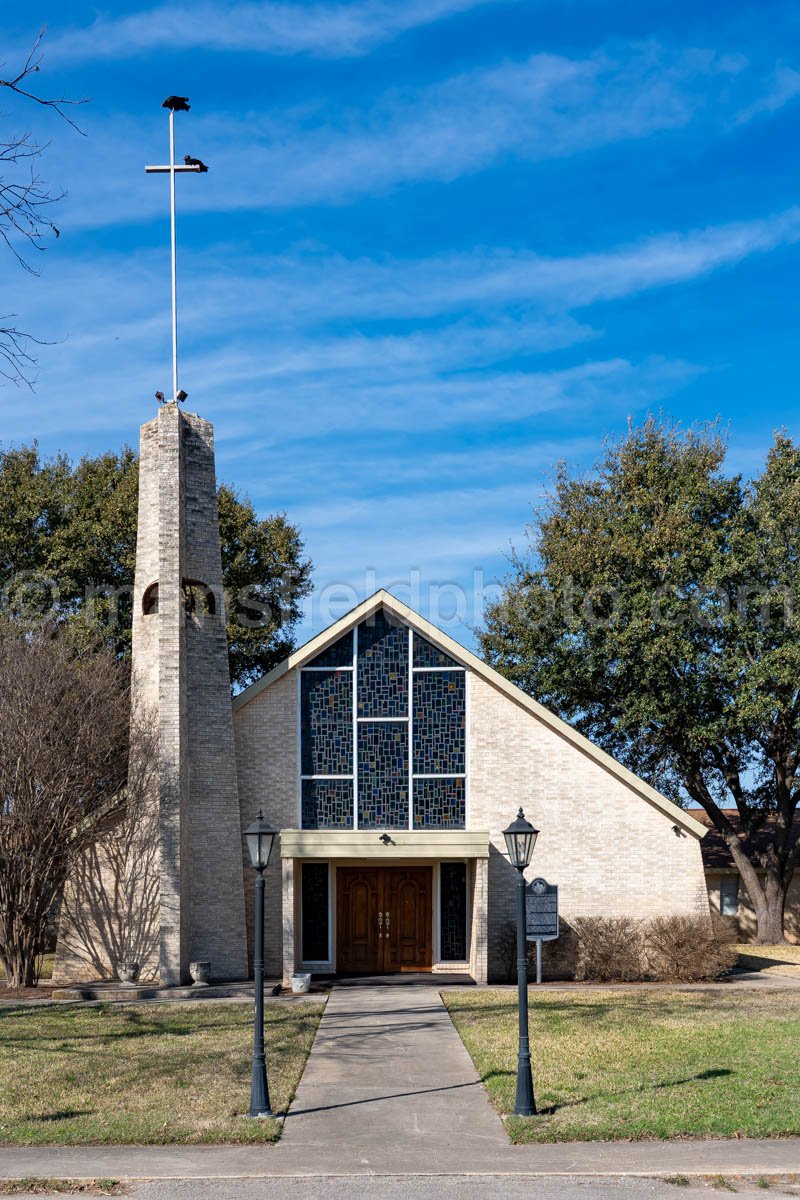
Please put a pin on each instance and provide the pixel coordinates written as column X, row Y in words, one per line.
column 525, row 1105
column 259, row 1093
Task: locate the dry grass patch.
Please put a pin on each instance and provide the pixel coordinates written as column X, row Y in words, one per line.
column 775, row 960
column 648, row 1064
column 145, row 1074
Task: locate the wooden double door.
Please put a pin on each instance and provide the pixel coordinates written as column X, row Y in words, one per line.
column 384, row 919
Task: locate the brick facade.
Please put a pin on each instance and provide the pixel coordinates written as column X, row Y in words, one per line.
column 611, row 850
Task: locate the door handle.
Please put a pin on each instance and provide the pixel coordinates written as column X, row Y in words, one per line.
column 380, row 924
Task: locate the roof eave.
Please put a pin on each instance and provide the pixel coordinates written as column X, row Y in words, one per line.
column 467, row 658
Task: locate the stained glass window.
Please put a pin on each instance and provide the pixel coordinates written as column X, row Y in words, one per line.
column 338, row 654
column 433, row 732
column 428, row 655
column 453, row 911
column 315, row 912
column 326, row 715
column 440, row 803
column 327, row 804
column 383, row 775
column 382, row 668
column 439, row 723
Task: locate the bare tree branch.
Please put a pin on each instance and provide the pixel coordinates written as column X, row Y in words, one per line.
column 64, row 743
column 16, row 361
column 32, row 65
column 24, row 201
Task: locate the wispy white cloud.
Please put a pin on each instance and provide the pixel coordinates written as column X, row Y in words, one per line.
column 270, row 27
column 543, row 107
column 445, row 340
column 322, row 366
column 311, row 287
column 783, row 87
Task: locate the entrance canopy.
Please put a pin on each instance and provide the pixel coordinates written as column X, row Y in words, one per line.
column 397, row 844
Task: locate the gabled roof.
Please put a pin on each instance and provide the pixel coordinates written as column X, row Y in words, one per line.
column 384, row 599
column 716, row 853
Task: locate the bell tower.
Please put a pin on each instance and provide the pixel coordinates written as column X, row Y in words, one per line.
column 181, row 690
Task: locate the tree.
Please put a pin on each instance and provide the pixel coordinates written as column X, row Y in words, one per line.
column 265, row 577
column 25, row 203
column 68, row 547
column 656, row 608
column 64, row 742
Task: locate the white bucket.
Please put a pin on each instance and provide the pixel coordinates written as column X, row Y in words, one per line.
column 301, row 983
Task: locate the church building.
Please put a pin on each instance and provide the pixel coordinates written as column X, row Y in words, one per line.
column 388, row 756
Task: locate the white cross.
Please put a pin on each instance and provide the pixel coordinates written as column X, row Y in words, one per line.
column 174, row 104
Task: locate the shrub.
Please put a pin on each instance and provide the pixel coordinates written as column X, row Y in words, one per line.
column 608, row 948
column 674, row 949
column 688, row 949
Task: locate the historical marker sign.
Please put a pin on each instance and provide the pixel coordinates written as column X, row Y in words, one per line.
column 541, row 910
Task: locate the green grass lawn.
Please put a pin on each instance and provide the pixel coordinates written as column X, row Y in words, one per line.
column 145, row 1074
column 649, row 1064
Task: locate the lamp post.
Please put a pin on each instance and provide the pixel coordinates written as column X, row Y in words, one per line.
column 520, row 840
column 259, row 837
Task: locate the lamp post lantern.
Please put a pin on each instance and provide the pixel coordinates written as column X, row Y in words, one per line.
column 259, row 837
column 520, row 839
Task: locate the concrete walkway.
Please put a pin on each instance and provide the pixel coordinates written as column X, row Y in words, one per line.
column 390, row 1090
column 389, row 1077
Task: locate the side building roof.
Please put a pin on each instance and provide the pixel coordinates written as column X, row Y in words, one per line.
column 716, row 853
column 383, row 599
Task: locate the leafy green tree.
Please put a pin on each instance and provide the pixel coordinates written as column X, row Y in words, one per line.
column 68, row 547
column 656, row 609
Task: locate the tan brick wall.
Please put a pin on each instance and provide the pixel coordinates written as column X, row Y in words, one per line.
column 479, row 907
column 609, row 850
column 266, row 758
column 91, row 934
column 216, row 926
column 746, row 917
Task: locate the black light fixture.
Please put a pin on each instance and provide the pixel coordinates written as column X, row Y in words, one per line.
column 260, row 838
column 520, row 839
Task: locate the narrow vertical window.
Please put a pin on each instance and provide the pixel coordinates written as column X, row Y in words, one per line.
column 729, row 895
column 315, row 916
column 453, row 911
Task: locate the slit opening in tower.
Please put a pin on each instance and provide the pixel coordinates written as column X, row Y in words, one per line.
column 199, row 598
column 150, row 600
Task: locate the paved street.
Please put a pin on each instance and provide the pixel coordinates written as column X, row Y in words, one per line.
column 454, row 1187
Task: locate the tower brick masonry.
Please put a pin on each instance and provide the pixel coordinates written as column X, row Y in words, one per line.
column 182, row 896
column 180, row 671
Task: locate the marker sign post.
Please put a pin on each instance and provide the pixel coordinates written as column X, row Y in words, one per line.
column 541, row 916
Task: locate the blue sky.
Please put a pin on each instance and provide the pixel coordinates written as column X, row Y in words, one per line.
column 441, row 245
